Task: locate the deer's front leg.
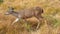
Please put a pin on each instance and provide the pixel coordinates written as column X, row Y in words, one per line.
column 17, row 19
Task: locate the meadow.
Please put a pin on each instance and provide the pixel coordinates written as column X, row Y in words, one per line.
column 51, row 16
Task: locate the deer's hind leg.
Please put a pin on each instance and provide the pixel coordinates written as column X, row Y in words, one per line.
column 39, row 22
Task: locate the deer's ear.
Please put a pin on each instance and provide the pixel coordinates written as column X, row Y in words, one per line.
column 42, row 11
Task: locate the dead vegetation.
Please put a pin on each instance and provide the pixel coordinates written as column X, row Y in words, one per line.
column 51, row 16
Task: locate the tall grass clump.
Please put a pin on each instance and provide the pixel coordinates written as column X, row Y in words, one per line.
column 51, row 18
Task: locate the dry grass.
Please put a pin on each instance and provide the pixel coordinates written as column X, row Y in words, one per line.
column 51, row 16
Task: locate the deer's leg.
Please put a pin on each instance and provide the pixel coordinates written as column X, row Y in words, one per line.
column 17, row 19
column 39, row 22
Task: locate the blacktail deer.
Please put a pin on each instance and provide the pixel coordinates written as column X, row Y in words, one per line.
column 26, row 13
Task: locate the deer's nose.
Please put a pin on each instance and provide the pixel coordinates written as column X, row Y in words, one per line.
column 6, row 13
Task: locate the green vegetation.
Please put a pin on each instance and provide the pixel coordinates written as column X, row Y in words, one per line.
column 1, row 1
column 50, row 14
column 51, row 8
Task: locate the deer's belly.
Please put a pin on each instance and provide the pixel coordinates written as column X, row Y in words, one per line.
column 27, row 16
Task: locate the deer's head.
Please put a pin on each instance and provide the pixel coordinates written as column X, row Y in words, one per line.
column 10, row 11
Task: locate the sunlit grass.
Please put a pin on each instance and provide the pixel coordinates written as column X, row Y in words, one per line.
column 20, row 26
column 50, row 16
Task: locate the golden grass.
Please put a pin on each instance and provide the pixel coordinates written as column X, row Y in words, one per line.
column 51, row 7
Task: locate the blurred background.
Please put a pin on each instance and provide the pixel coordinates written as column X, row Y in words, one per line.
column 51, row 16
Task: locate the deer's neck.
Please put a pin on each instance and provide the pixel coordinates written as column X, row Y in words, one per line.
column 15, row 14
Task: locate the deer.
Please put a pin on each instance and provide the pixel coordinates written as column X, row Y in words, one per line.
column 26, row 13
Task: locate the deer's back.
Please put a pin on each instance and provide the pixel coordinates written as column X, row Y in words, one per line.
column 26, row 13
